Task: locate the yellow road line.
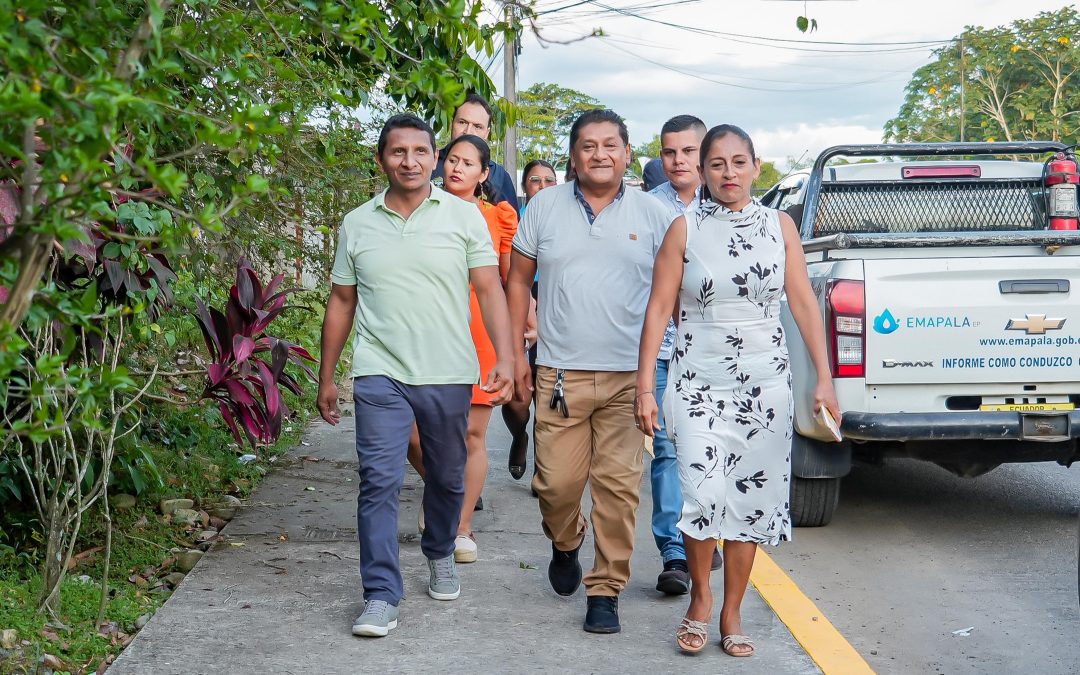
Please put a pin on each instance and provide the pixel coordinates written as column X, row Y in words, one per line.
column 822, row 642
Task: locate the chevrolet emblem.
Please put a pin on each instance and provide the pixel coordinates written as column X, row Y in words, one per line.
column 1035, row 324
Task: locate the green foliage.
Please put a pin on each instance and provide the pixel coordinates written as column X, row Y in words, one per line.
column 805, row 24
column 545, row 114
column 650, row 149
column 194, row 454
column 1015, row 82
column 769, row 176
column 140, row 135
column 194, row 105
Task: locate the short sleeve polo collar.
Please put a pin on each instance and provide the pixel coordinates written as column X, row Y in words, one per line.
column 585, row 203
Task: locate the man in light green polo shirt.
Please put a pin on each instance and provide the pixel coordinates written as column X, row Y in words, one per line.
column 403, row 267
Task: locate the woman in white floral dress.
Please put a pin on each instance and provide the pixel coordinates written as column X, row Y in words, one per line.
column 726, row 266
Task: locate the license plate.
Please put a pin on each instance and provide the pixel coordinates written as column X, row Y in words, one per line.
column 1026, row 407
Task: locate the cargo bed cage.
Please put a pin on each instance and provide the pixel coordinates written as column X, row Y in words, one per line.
column 843, row 240
column 979, row 208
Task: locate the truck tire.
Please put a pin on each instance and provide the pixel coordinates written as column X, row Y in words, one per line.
column 813, row 501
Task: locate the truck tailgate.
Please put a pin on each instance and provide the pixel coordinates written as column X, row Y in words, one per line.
column 975, row 320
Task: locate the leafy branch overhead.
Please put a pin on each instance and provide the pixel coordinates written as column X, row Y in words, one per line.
column 118, row 94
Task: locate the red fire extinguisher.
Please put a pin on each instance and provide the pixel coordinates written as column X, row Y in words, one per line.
column 1061, row 183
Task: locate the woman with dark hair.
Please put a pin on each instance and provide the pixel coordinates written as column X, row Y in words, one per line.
column 537, row 175
column 466, row 172
column 728, row 405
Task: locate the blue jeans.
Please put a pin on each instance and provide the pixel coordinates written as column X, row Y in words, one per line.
column 664, row 476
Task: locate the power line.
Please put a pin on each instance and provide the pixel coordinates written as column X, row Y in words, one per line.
column 889, row 47
column 635, row 41
column 736, row 85
column 495, row 55
column 608, row 39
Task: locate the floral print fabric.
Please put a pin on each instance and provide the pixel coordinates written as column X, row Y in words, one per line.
column 728, row 405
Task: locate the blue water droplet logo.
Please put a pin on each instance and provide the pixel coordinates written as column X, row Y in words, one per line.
column 886, row 323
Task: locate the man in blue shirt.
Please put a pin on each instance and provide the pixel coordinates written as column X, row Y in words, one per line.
column 474, row 117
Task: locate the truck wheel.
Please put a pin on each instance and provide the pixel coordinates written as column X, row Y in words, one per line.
column 813, row 500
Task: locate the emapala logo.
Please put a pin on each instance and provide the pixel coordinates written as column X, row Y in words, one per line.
column 885, row 323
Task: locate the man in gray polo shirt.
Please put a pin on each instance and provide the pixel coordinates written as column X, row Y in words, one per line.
column 593, row 243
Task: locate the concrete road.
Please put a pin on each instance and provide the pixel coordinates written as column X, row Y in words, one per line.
column 281, row 594
column 915, row 553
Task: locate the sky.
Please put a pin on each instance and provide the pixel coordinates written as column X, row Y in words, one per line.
column 794, row 98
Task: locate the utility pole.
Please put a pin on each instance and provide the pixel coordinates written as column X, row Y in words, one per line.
column 962, row 88
column 510, row 50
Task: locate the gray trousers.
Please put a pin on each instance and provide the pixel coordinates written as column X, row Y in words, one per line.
column 385, row 412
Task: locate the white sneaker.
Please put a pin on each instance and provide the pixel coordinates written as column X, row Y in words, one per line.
column 465, row 548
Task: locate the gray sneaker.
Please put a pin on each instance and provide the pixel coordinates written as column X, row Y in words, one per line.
column 378, row 619
column 444, row 583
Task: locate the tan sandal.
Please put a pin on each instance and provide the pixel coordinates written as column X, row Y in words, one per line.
column 686, row 633
column 729, row 642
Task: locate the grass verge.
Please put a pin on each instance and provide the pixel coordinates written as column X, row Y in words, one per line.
column 196, row 459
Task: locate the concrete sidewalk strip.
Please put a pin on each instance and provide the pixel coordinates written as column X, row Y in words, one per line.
column 284, row 601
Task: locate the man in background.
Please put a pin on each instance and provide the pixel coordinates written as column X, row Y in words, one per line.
column 474, row 117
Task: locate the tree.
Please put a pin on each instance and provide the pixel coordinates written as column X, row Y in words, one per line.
column 769, row 176
column 545, row 113
column 1012, row 82
column 650, row 150
column 138, row 130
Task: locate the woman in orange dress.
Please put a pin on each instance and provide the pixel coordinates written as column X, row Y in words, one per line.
column 466, row 170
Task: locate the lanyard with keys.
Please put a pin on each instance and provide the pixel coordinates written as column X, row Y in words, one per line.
column 558, row 397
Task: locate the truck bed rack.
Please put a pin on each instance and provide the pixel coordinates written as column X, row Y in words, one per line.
column 925, row 206
column 843, row 240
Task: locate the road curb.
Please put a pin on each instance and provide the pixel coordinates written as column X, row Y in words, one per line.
column 809, row 626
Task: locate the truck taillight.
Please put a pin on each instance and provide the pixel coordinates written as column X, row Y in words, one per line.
column 846, row 327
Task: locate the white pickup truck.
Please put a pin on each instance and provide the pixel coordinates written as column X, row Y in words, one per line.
column 952, row 328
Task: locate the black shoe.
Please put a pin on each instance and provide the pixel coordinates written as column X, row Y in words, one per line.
column 717, row 559
column 602, row 615
column 564, row 571
column 675, row 579
column 479, row 504
column 519, row 446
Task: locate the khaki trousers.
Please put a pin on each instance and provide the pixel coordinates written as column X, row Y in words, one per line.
column 599, row 444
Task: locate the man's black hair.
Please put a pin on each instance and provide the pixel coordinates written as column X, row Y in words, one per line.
column 478, row 100
column 593, row 117
column 682, row 123
column 403, row 121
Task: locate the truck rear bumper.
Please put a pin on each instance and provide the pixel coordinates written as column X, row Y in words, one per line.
column 1050, row 427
